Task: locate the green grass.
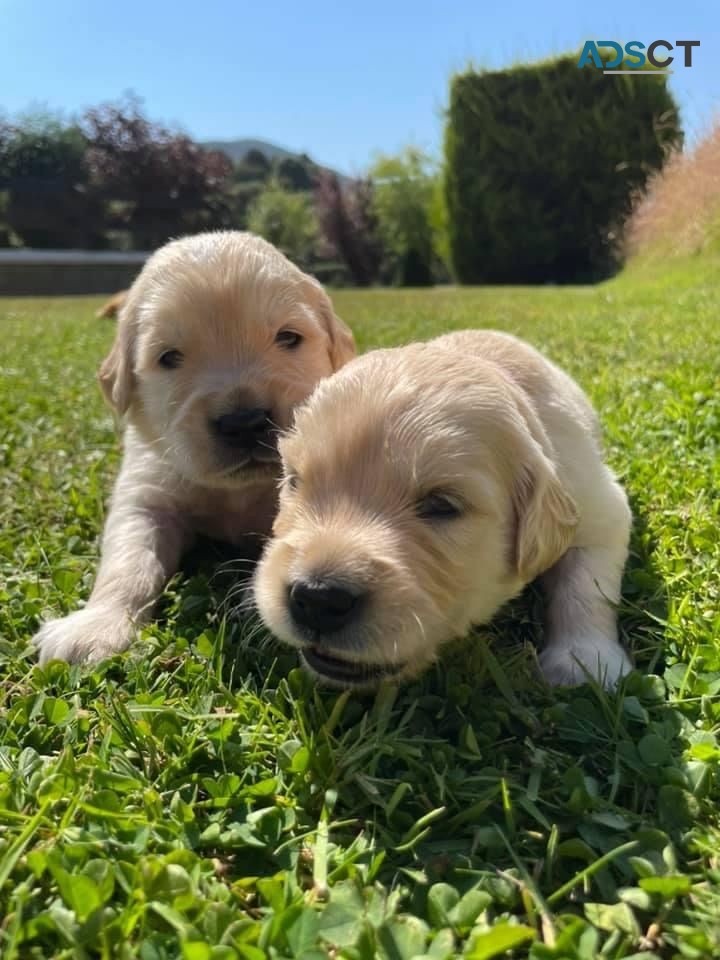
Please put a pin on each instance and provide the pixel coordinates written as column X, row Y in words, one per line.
column 200, row 798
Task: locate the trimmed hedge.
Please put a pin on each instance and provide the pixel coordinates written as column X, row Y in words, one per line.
column 542, row 164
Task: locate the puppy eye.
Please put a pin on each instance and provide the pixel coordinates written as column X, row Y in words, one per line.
column 291, row 481
column 438, row 506
column 171, row 359
column 289, row 339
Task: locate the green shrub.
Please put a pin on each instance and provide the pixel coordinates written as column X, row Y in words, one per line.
column 44, row 177
column 403, row 186
column 542, row 164
column 287, row 220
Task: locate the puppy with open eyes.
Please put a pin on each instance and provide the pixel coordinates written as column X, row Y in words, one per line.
column 425, row 486
column 218, row 340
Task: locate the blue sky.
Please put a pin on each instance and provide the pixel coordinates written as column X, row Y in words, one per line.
column 340, row 80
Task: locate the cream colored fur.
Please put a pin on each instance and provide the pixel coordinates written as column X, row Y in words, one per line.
column 221, row 299
column 484, row 420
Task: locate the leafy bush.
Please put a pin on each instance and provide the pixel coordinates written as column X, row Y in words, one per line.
column 43, row 172
column 402, row 200
column 349, row 225
column 296, row 173
column 541, row 166
column 253, row 166
column 163, row 183
column 286, row 219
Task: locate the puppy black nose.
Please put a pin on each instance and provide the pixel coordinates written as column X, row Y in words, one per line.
column 242, row 426
column 323, row 605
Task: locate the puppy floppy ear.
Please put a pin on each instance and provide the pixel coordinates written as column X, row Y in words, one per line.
column 342, row 343
column 546, row 516
column 115, row 375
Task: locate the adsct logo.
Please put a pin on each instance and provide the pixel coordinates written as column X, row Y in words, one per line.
column 632, row 55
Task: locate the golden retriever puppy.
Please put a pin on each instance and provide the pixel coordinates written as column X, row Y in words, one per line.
column 218, row 340
column 424, row 487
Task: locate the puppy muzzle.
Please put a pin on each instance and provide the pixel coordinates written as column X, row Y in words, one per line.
column 247, row 437
column 324, row 612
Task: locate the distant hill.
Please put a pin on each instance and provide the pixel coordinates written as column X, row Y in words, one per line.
column 236, row 150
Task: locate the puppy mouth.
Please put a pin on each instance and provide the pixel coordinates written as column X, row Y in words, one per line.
column 347, row 673
column 239, row 455
column 258, row 460
column 265, row 453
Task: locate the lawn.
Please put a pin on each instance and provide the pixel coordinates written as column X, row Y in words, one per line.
column 200, row 798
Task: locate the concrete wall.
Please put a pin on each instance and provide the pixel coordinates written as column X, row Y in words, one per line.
column 45, row 273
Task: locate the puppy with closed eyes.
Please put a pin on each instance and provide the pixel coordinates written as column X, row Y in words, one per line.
column 424, row 487
column 218, row 340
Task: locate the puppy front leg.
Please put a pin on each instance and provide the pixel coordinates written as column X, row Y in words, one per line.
column 141, row 550
column 582, row 589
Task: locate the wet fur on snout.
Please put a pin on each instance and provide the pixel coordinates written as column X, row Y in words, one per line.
column 482, row 421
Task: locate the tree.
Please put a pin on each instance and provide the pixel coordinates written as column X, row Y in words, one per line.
column 349, row 226
column 542, row 165
column 163, row 183
column 404, row 198
column 4, row 138
column 287, row 220
column 254, row 167
column 49, row 201
column 296, row 173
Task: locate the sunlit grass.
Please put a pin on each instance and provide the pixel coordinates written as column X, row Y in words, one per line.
column 199, row 798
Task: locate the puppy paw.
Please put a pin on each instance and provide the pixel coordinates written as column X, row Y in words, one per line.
column 575, row 661
column 85, row 636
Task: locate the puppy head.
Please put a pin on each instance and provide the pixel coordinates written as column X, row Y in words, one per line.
column 415, row 502
column 218, row 341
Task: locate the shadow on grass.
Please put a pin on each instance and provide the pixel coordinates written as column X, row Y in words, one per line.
column 644, row 606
